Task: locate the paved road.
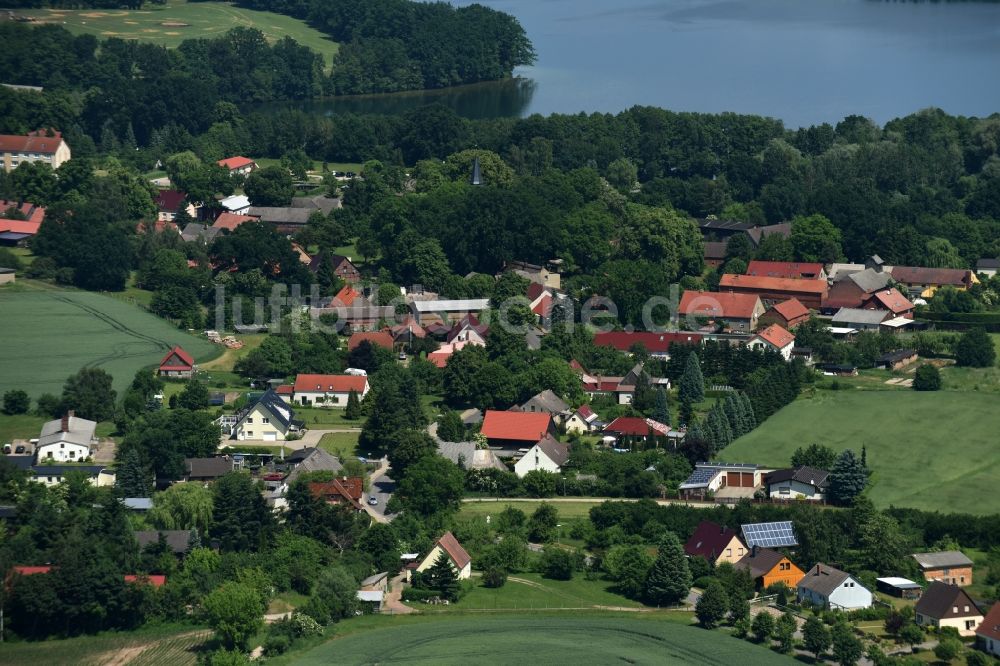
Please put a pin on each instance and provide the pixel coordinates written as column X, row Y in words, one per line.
column 593, row 500
column 382, row 488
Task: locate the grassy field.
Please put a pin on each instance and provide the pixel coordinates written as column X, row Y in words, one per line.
column 165, row 645
column 176, row 21
column 344, row 445
column 934, row 451
column 49, row 334
column 530, row 590
column 570, row 510
column 578, row 639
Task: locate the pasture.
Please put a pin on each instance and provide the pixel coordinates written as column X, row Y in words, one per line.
column 170, row 24
column 932, row 451
column 50, row 334
column 578, row 639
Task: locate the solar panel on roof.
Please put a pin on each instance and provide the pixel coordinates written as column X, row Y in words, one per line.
column 770, row 535
column 701, row 476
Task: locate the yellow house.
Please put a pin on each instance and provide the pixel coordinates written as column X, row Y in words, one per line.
column 268, row 419
column 452, row 549
column 37, row 146
column 715, row 543
column 944, row 605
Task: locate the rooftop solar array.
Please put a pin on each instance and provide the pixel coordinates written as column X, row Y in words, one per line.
column 700, row 476
column 770, row 535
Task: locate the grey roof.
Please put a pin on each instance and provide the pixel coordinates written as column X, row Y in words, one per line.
column 556, row 451
column 194, row 231
column 462, row 305
column 7, row 271
column 138, row 503
column 809, row 475
column 62, row 470
column 278, row 408
column 823, row 579
column 208, row 468
column 323, row 204
column 235, row 202
column 317, row 460
column 757, row 234
column 177, row 540
column 546, row 401
column 988, row 264
column 23, row 463
column 471, row 457
column 374, row 578
column 759, row 561
column 859, row 316
column 472, row 416
column 281, row 215
column 81, row 431
column 727, row 225
column 868, row 280
column 946, row 558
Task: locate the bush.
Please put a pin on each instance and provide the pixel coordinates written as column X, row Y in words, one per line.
column 948, row 649
column 16, row 402
column 975, row 350
column 495, row 577
column 927, row 378
column 276, row 644
column 417, row 594
column 557, row 564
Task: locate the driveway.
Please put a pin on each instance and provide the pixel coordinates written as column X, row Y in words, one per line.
column 310, row 439
column 382, row 488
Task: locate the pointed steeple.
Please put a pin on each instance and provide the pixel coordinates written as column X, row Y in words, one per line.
column 477, row 177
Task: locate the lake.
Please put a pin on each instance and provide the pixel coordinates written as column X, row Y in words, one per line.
column 803, row 61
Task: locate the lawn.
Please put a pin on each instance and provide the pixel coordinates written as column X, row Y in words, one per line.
column 934, row 451
column 570, row 510
column 577, row 639
column 162, row 644
column 344, row 445
column 325, row 418
column 172, row 23
column 50, row 334
column 530, row 590
column 19, row 426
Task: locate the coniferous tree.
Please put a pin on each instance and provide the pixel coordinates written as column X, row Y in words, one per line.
column 712, row 606
column 848, row 478
column 661, row 407
column 692, row 384
column 450, row 427
column 734, row 415
column 669, row 581
column 241, row 520
column 748, row 411
column 132, row 478
column 443, row 578
column 353, row 409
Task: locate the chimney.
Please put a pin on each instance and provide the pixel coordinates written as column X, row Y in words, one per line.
column 753, row 551
column 65, row 422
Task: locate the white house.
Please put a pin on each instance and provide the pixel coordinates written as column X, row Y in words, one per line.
column 803, row 482
column 775, row 338
column 237, row 203
column 68, row 439
column 268, row 418
column 547, row 455
column 832, row 588
column 583, row 420
column 328, row 390
column 53, row 475
column 453, row 550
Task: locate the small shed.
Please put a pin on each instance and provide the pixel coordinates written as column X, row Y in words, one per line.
column 897, row 359
column 376, row 583
column 904, row 588
column 371, row 600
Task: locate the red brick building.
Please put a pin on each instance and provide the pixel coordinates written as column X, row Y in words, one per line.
column 771, row 290
column 787, row 314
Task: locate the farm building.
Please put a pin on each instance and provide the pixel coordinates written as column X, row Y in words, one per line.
column 771, row 290
column 897, row 359
column 509, row 432
column 798, row 270
column 735, row 311
column 177, row 363
column 787, row 314
column 904, row 588
column 656, row 344
column 923, row 282
column 950, row 566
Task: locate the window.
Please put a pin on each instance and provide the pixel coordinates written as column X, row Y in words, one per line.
column 265, row 420
column 249, row 433
column 965, row 609
column 62, row 445
column 954, row 609
column 962, row 578
column 970, row 624
column 249, row 419
column 729, row 552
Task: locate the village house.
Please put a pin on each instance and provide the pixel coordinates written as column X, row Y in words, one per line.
column 923, row 282
column 447, row 311
column 328, row 390
column 787, row 269
column 768, row 567
column 535, row 273
column 169, row 203
column 891, row 300
column 771, row 290
column 758, row 234
column 381, row 339
column 583, row 421
column 711, row 479
column 549, row 403
column 715, row 543
column 468, row 330
column 177, row 363
column 17, row 232
column 733, row 311
column 238, row 166
column 206, row 470
column 896, row 360
column 405, row 333
column 715, row 253
column 774, row 338
column 787, row 314
column 805, row 483
column 345, row 491
column 832, row 588
column 267, row 418
column 69, row 439
column 52, row 475
column 988, row 633
column 547, row 455
column 231, row 221
column 626, row 430
column 507, row 433
column 859, row 319
column 467, row 456
column 452, row 549
column 950, row 566
column 286, row 219
column 852, row 288
column 944, row 605
column 45, row 146
column 340, row 265
column 657, row 345
column 988, row 266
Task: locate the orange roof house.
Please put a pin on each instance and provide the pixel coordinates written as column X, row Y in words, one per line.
column 739, row 312
column 377, row 338
column 328, row 390
column 775, row 289
column 230, row 221
column 891, row 300
column 177, row 363
column 345, row 490
column 516, row 430
column 238, row 165
column 789, row 314
column 768, row 567
column 156, row 580
column 787, row 269
column 775, row 338
column 346, row 296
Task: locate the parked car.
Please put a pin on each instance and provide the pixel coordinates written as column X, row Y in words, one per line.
column 372, row 500
column 19, row 449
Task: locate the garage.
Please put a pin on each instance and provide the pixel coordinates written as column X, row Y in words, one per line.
column 270, row 436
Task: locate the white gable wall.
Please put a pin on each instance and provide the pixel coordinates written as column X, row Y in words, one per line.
column 535, row 459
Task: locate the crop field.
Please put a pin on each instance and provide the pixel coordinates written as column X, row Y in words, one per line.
column 172, row 23
column 933, row 451
column 584, row 639
column 165, row 645
column 49, row 334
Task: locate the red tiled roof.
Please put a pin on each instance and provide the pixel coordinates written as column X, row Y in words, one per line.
column 777, row 284
column 990, row 626
column 958, row 277
column 776, row 336
column 718, row 304
column 543, row 307
column 439, row 358
column 34, row 214
column 346, row 296
column 31, row 571
column 535, row 290
column 709, row 540
column 285, row 389
column 230, row 221
column 155, row 225
column 35, row 142
column 330, row 383
column 630, row 425
column 652, row 341
column 232, row 163
column 169, row 201
column 186, row 361
column 379, row 338
column 156, row 580
column 520, row 426
column 450, row 545
column 19, row 226
column 785, row 269
column 791, row 309
column 349, row 489
column 892, row 300
column 585, row 412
